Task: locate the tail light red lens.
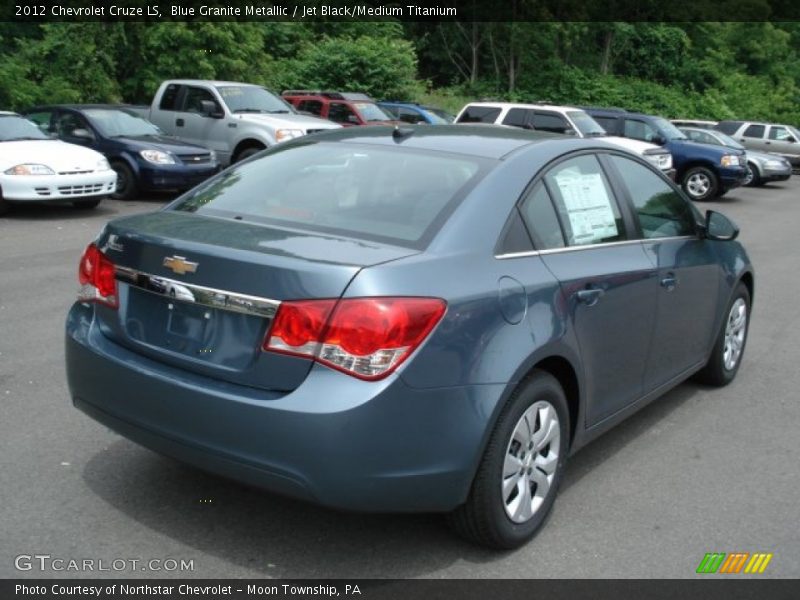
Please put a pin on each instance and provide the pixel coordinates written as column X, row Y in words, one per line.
column 96, row 277
column 364, row 337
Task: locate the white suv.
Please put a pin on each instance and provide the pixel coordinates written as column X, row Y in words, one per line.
column 560, row 119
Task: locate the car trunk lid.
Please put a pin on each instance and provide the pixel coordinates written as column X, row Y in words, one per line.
column 199, row 293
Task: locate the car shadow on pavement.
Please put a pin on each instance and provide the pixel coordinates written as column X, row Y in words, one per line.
column 108, row 208
column 268, row 535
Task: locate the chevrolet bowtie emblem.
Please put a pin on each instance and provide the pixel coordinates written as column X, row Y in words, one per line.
column 179, row 265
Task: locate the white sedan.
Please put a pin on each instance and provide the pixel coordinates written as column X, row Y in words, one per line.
column 35, row 168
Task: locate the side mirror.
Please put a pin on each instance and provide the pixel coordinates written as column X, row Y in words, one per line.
column 791, row 140
column 659, row 140
column 81, row 133
column 719, row 227
column 210, row 109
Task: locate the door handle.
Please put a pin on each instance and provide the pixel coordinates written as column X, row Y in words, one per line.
column 669, row 282
column 767, row 143
column 179, row 122
column 589, row 296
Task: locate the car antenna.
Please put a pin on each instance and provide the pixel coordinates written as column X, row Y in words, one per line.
column 399, row 133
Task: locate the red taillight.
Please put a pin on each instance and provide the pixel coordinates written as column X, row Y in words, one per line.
column 96, row 276
column 364, row 337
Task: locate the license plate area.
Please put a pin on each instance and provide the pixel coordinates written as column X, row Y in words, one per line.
column 194, row 332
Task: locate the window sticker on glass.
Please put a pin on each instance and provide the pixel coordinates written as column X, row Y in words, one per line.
column 588, row 205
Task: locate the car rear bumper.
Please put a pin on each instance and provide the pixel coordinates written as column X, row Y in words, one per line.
column 335, row 440
column 58, row 188
column 174, row 177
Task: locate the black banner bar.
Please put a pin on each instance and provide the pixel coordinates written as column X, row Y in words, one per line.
column 372, row 589
column 401, row 10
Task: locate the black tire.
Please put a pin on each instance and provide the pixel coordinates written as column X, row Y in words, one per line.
column 700, row 183
column 127, row 186
column 3, row 205
column 483, row 518
column 87, row 204
column 715, row 372
column 247, row 153
column 752, row 178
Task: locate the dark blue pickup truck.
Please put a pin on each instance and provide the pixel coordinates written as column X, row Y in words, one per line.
column 703, row 171
column 144, row 158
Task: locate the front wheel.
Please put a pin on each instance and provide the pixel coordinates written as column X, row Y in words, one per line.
column 519, row 474
column 726, row 356
column 751, row 176
column 700, row 183
column 127, row 186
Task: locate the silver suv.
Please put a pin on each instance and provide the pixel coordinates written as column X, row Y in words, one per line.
column 765, row 137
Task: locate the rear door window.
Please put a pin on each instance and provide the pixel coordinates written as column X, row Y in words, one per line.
column 541, row 219
column 517, row 117
column 479, row 114
column 754, row 131
column 547, row 121
column 169, row 100
column 587, row 209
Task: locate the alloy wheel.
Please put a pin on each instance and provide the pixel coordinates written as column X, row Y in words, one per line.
column 698, row 185
column 531, row 461
column 735, row 331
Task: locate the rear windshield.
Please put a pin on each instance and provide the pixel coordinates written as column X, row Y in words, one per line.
column 397, row 195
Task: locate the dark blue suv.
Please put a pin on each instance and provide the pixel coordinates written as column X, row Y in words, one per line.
column 144, row 158
column 704, row 171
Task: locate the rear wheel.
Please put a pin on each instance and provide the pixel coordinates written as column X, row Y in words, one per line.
column 127, row 186
column 700, row 183
column 728, row 349
column 3, row 205
column 519, row 474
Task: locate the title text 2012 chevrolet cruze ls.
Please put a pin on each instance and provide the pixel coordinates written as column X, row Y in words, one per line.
column 421, row 319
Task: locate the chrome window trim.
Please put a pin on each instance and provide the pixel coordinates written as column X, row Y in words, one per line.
column 590, row 247
column 180, row 291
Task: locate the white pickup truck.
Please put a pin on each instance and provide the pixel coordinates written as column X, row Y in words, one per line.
column 235, row 120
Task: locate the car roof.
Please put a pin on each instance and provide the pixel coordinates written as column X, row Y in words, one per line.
column 211, row 82
column 7, row 113
column 79, row 107
column 488, row 141
column 555, row 107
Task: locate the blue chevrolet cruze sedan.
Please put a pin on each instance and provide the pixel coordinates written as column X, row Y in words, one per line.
column 418, row 319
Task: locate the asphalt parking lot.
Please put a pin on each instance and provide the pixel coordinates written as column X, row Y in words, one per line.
column 700, row 470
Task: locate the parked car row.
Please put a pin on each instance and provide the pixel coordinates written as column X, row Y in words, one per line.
column 193, row 128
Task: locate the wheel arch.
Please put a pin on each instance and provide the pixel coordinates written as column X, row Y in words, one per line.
column 749, row 282
column 697, row 163
column 248, row 142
